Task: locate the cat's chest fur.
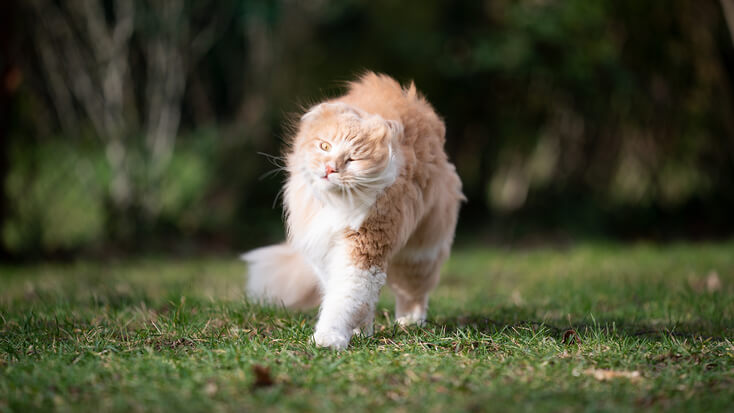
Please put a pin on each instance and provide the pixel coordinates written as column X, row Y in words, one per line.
column 326, row 229
column 318, row 227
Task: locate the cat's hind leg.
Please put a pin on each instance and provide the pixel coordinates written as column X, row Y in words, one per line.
column 411, row 280
column 411, row 309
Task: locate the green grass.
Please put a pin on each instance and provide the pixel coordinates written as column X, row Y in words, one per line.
column 654, row 329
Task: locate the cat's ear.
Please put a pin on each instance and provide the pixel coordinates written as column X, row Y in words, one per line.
column 395, row 129
column 386, row 130
column 332, row 108
column 312, row 113
column 383, row 130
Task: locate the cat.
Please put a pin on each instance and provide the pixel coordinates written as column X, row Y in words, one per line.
column 370, row 198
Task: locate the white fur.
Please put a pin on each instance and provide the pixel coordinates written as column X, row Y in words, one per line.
column 337, row 214
column 415, row 315
column 279, row 275
column 349, row 293
column 325, row 228
column 348, row 305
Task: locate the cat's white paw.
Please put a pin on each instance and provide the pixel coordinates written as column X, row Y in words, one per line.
column 366, row 331
column 331, row 339
column 411, row 319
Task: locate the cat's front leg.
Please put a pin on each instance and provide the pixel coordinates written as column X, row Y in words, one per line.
column 350, row 295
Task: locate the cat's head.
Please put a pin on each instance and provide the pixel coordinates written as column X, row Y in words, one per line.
column 344, row 150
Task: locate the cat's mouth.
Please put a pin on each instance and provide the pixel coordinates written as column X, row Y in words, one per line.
column 329, row 182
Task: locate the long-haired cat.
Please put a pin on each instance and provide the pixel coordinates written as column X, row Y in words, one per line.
column 370, row 198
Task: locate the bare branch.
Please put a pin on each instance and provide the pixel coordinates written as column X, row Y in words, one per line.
column 86, row 53
column 60, row 94
column 728, row 7
column 62, row 49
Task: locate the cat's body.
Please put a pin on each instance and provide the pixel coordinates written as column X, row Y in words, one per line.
column 371, row 197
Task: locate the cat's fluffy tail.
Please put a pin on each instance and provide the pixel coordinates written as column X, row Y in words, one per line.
column 278, row 274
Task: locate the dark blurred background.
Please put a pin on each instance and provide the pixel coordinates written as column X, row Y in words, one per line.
column 134, row 126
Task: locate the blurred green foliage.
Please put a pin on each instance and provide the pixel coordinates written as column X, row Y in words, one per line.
column 578, row 118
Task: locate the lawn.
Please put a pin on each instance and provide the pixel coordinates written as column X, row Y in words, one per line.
column 594, row 327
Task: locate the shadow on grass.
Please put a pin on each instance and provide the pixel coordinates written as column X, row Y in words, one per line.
column 504, row 320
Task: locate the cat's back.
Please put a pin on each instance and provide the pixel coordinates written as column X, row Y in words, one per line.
column 425, row 162
column 428, row 184
column 383, row 95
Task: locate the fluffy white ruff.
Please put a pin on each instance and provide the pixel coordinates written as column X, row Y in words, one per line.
column 349, row 293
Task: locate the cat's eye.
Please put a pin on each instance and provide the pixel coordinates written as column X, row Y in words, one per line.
column 349, row 159
column 325, row 146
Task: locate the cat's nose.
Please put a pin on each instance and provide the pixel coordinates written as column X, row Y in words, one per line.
column 329, row 170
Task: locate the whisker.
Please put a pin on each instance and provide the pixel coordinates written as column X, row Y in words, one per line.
column 365, row 179
column 368, row 186
column 351, row 199
column 277, row 161
column 272, row 157
column 271, row 173
column 277, row 196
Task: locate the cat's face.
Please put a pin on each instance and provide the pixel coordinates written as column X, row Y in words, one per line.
column 345, row 150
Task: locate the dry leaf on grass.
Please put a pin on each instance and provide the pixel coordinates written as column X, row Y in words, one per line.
column 262, row 376
column 603, row 374
column 571, row 337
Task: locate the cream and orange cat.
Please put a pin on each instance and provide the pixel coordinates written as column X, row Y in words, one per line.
column 370, row 198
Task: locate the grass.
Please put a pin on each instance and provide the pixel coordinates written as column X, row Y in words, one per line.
column 592, row 328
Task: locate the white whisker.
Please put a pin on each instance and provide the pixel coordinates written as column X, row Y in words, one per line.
column 371, row 179
column 277, row 196
column 271, row 173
